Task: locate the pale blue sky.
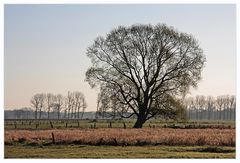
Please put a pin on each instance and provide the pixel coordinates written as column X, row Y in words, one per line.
column 45, row 45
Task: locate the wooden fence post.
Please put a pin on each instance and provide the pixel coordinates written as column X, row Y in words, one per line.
column 53, row 138
column 51, row 124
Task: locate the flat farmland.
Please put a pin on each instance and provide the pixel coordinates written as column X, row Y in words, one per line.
column 117, row 139
column 123, row 137
column 120, row 143
column 71, row 123
column 89, row 151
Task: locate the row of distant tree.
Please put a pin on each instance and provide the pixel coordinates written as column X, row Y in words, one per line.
column 210, row 108
column 196, row 108
column 72, row 106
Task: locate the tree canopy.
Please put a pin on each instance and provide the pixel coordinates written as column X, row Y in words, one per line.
column 145, row 67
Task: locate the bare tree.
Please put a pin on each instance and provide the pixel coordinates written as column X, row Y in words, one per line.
column 35, row 102
column 49, row 102
column 98, row 106
column 232, row 101
column 69, row 104
column 58, row 104
column 142, row 64
column 77, row 104
column 72, row 106
column 226, row 107
column 108, row 104
column 200, row 103
column 74, row 102
column 220, row 103
column 229, row 107
column 65, row 107
column 42, row 98
column 210, row 106
column 84, row 105
column 114, row 107
column 189, row 104
column 104, row 99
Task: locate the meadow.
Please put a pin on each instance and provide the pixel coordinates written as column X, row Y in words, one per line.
column 116, row 139
column 71, row 123
column 89, row 151
column 123, row 137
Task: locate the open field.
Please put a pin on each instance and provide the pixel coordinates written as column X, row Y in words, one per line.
column 123, row 137
column 106, row 139
column 81, row 151
column 62, row 124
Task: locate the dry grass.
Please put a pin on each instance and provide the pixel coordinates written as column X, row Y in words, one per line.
column 124, row 137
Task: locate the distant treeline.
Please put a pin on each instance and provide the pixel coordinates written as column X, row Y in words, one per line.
column 72, row 106
column 210, row 108
column 197, row 108
column 29, row 113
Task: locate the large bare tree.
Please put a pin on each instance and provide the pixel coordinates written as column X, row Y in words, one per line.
column 141, row 64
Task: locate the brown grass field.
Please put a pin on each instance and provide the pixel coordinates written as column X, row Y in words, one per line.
column 123, row 137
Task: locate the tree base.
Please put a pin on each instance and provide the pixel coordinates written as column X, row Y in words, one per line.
column 139, row 123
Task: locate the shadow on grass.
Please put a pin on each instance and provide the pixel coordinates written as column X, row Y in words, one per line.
column 215, row 150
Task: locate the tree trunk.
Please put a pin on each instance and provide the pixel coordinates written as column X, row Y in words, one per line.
column 36, row 113
column 58, row 114
column 48, row 114
column 40, row 113
column 78, row 114
column 82, row 115
column 140, row 121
